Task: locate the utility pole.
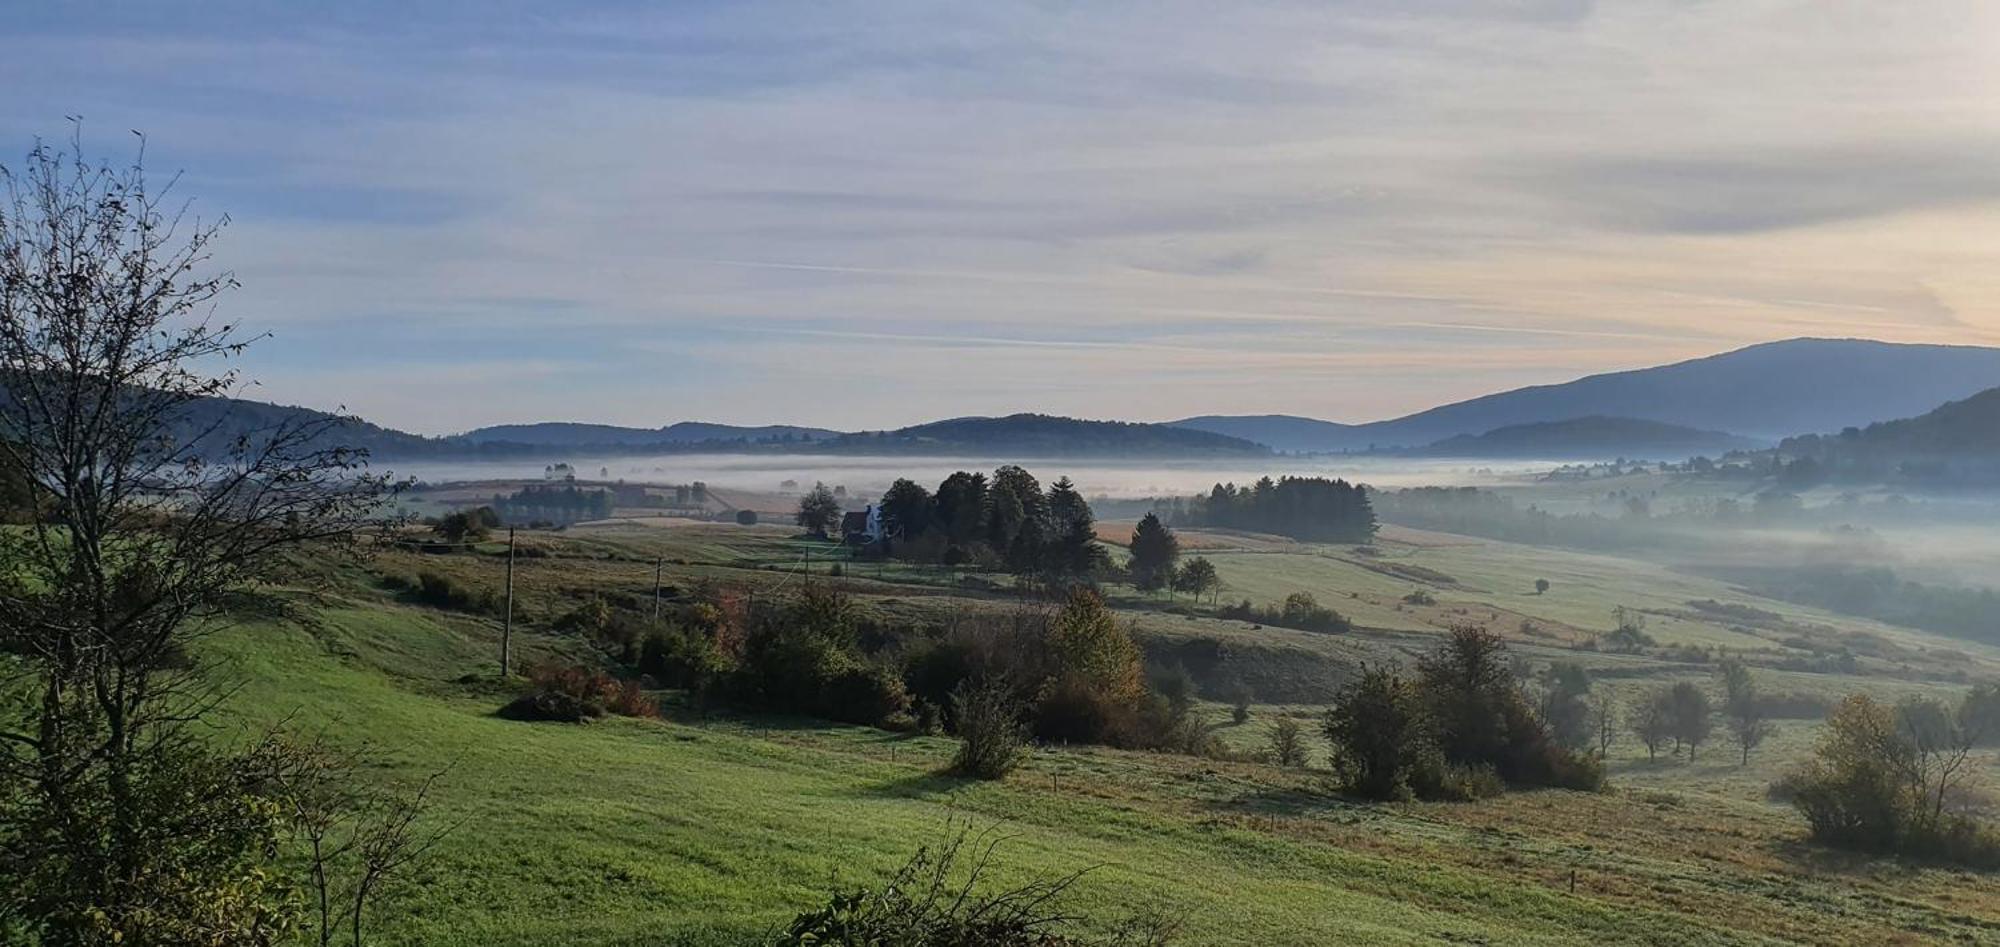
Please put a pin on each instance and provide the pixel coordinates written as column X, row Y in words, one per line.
column 658, row 564
column 507, row 629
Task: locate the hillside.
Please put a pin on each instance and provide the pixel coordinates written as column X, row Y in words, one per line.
column 1765, row 391
column 577, row 434
column 712, row 826
column 1959, row 440
column 1042, row 435
column 1283, row 432
column 219, row 421
column 1960, row 428
column 1591, row 438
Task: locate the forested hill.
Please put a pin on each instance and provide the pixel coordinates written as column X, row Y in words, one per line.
column 1283, row 432
column 1020, row 435
column 576, row 434
column 1961, row 428
column 1958, row 439
column 220, row 421
column 1042, row 435
column 1593, row 438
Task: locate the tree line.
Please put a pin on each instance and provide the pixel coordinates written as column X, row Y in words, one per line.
column 1309, row 509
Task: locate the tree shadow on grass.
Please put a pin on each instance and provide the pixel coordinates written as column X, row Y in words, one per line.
column 934, row 784
column 1292, row 803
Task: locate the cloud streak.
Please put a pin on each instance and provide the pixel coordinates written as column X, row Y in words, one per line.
column 1149, row 210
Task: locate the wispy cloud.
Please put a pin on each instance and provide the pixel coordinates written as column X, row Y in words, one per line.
column 506, row 211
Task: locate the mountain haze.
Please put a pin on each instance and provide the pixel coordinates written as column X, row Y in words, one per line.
column 1766, row 391
column 1285, row 432
column 577, row 434
column 1041, row 435
column 1591, row 438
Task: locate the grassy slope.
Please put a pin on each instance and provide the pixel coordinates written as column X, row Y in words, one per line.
column 713, row 832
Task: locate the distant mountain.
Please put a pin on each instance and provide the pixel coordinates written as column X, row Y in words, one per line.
column 1765, row 391
column 1283, row 432
column 1041, row 435
column 1591, row 438
column 579, row 435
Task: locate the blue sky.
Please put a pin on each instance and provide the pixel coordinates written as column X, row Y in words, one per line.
column 868, row 215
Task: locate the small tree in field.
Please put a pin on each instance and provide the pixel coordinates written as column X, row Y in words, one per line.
column 1743, row 709
column 1541, row 586
column 1652, row 723
column 819, row 511
column 1604, row 721
column 1691, row 716
column 1198, row 577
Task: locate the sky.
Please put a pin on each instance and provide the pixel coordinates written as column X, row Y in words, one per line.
column 867, row 215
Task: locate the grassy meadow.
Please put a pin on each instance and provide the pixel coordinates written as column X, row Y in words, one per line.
column 714, row 828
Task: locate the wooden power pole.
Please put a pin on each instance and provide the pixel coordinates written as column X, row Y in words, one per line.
column 658, row 564
column 507, row 628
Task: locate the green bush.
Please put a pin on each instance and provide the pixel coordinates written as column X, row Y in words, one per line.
column 1462, row 728
column 440, row 591
column 992, row 740
column 1454, row 782
column 1881, row 781
column 863, row 694
column 679, row 657
column 1070, row 710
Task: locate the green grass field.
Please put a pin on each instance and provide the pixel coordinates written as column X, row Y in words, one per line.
column 714, row 830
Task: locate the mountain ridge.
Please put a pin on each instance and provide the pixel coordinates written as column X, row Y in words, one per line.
column 1768, row 391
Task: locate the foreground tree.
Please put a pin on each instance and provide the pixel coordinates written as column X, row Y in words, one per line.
column 155, row 514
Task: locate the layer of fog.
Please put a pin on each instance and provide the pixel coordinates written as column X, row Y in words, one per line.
column 870, row 475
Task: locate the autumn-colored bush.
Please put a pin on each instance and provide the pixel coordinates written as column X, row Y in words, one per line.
column 574, row 693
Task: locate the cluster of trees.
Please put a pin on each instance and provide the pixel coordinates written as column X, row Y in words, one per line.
column 1462, row 727
column 1069, row 673
column 1680, row 717
column 1312, row 509
column 1007, row 521
column 559, row 504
